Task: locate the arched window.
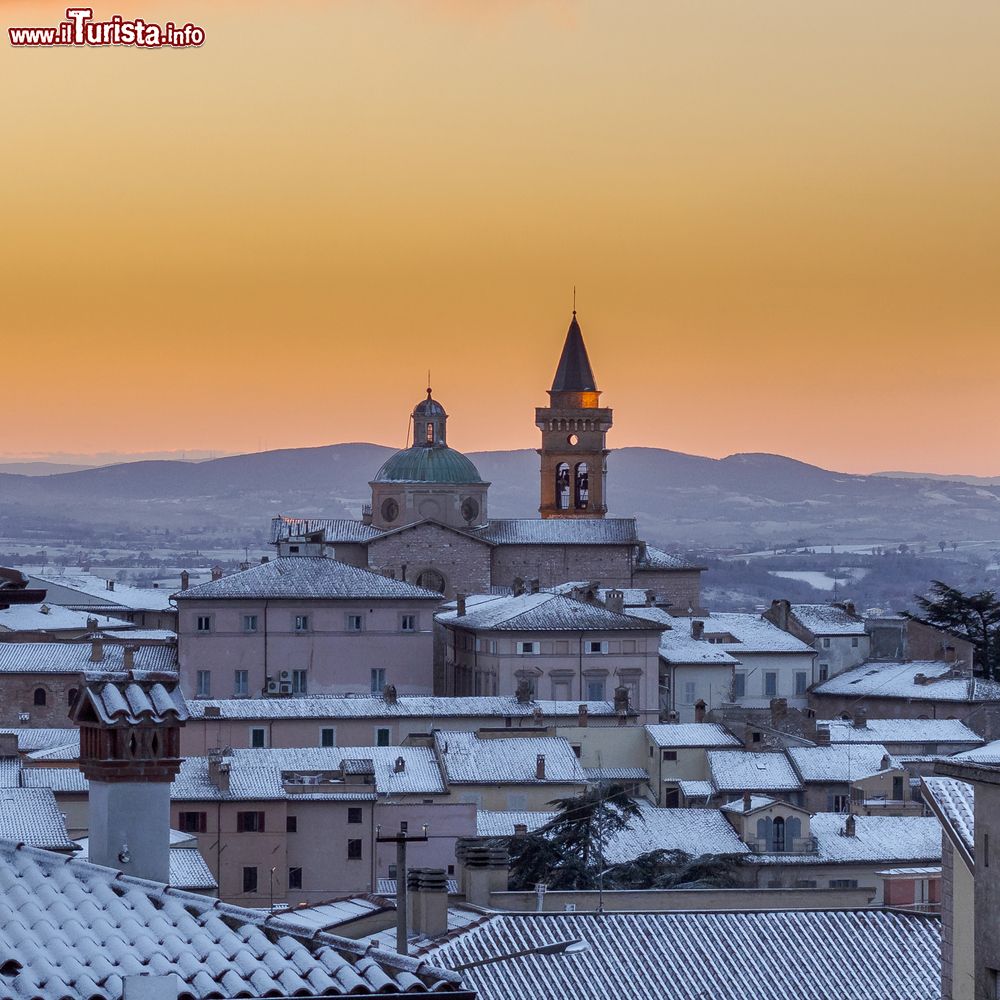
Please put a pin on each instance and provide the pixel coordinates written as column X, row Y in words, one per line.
column 40, row 696
column 431, row 579
column 430, row 432
column 581, row 493
column 562, row 486
column 71, row 697
column 778, row 834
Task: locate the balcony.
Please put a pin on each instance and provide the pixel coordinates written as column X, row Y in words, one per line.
column 796, row 845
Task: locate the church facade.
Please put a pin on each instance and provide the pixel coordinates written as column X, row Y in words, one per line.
column 428, row 521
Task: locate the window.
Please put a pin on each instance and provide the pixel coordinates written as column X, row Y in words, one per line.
column 562, row 486
column 826, row 642
column 689, row 692
column 204, row 623
column 328, row 737
column 595, row 646
column 250, row 879
column 191, row 822
column 843, row 883
column 299, row 683
column 824, row 671
column 595, row 689
column 528, row 648
column 805, row 883
column 301, row 623
column 293, row 548
column 71, row 696
column 801, row 681
column 739, row 685
column 377, row 680
column 241, row 682
column 354, row 814
column 840, row 803
column 404, row 826
column 258, row 737
column 408, row 623
column 354, row 850
column 429, row 433
column 581, row 490
column 203, row 684
column 355, row 623
column 382, row 737
column 39, row 697
column 249, row 623
column 770, row 684
column 291, row 824
column 669, row 755
column 855, row 641
column 249, row 822
column 431, row 579
column 294, row 878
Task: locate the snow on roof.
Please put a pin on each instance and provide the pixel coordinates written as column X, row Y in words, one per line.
column 308, row 578
column 123, row 698
column 87, row 585
column 333, row 529
column 612, row 774
column 556, row 531
column 751, row 633
column 694, row 831
column 875, row 679
column 659, row 615
column 501, row 823
column 48, row 617
column 919, row 872
column 741, row 770
column 828, row 619
column 756, row 802
column 74, row 657
column 543, row 612
column 467, row 759
column 42, row 739
column 845, row 763
column 257, row 774
column 656, row 559
column 877, row 839
column 323, row 916
column 900, row 731
column 405, row 707
column 101, row 926
column 30, row 816
column 811, row 955
column 188, row 869
column 989, row 753
column 696, row 789
column 66, row 752
column 691, row 734
column 954, row 803
column 679, row 646
column 59, row 779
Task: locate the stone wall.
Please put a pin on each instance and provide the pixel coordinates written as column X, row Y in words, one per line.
column 680, row 589
column 554, row 564
column 17, row 697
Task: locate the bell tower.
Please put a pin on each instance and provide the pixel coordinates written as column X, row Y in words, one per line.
column 574, row 467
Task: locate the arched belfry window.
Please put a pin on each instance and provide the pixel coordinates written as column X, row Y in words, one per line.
column 430, row 432
column 581, row 490
column 562, row 486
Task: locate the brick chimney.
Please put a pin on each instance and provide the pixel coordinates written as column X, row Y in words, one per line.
column 216, row 572
column 747, row 802
column 427, row 901
column 128, row 658
column 699, row 711
column 621, row 700
column 822, row 736
column 615, row 601
column 389, row 694
column 97, row 651
column 779, row 710
column 697, row 629
column 218, row 770
column 92, row 624
column 538, row 716
column 849, row 826
column 860, row 720
column 780, row 613
column 460, row 604
column 400, row 766
column 582, row 713
column 523, row 693
column 185, row 579
column 110, row 584
column 885, row 763
column 540, row 767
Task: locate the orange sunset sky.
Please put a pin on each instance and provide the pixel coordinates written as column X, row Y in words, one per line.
column 782, row 219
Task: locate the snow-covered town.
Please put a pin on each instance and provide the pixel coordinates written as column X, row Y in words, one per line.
column 428, row 750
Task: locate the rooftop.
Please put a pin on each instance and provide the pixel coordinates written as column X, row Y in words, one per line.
column 691, row 734
column 100, row 926
column 900, row 731
column 694, row 831
column 750, row 634
column 989, row 753
column 94, row 591
column 75, row 657
column 954, row 804
column 558, row 531
column 741, row 770
column 573, row 373
column 501, row 823
column 30, row 816
column 679, row 646
column 306, row 577
column 877, row 679
column 841, row 764
column 828, row 619
column 48, row 617
column 333, row 529
column 652, row 558
column 434, row 463
column 809, row 955
column 470, row 760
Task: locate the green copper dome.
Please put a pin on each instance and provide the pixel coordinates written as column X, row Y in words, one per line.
column 423, row 464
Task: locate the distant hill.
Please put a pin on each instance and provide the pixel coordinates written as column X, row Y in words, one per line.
column 39, row 468
column 687, row 499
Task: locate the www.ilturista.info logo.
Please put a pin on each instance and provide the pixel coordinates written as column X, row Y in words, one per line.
column 80, row 28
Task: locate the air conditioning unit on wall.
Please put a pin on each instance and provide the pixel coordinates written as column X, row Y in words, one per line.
column 273, row 687
column 285, row 687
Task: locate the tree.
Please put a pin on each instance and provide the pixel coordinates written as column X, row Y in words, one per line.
column 568, row 852
column 975, row 617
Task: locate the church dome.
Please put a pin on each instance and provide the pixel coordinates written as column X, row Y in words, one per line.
column 422, row 464
column 429, row 408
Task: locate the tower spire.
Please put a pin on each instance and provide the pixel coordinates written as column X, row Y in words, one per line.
column 573, row 373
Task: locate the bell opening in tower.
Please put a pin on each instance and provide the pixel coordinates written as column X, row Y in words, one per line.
column 430, row 433
column 582, row 489
column 562, row 486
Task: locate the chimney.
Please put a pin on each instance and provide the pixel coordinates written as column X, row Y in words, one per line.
column 949, row 654
column 111, row 584
column 535, row 585
column 885, row 763
column 697, row 629
column 128, row 658
column 460, row 604
column 779, row 709
column 747, row 802
column 780, row 613
column 216, row 573
column 849, row 826
column 581, row 716
column 621, row 700
column 400, row 766
column 185, row 579
column 517, row 586
column 699, row 710
column 673, row 716
column 615, row 601
column 212, row 712
column 523, row 692
column 264, row 559
column 8, row 745
column 92, row 624
column 540, row 767
column 849, row 608
column 389, row 694
column 427, row 901
column 482, row 869
column 97, row 651
column 520, row 829
column 822, row 735
column 538, row 716
column 218, row 772
column 860, row 719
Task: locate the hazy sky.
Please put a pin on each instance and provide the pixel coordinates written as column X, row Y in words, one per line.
column 782, row 218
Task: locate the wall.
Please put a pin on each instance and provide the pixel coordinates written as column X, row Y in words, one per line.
column 840, row 653
column 337, row 661
column 987, row 887
column 446, row 822
column 786, row 665
column 527, row 798
column 982, row 717
column 554, row 564
column 17, row 697
column 712, row 684
column 680, row 589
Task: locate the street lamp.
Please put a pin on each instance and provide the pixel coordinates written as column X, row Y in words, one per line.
column 574, row 946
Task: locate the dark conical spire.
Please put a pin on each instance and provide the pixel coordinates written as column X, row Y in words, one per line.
column 574, row 373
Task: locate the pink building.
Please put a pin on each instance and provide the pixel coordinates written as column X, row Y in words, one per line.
column 305, row 625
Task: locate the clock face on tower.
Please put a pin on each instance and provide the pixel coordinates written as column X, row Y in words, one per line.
column 390, row 510
column 470, row 509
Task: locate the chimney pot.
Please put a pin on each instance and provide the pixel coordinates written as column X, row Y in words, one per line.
column 216, row 572
column 747, row 802
column 460, row 604
column 185, row 579
column 699, row 710
column 520, row 829
column 92, row 624
column 97, row 651
column 581, row 716
column 615, row 602
column 849, row 826
column 523, row 691
column 886, row 762
column 860, row 719
column 264, row 559
column 697, row 629
column 540, row 767
column 128, row 658
column 389, row 694
column 400, row 766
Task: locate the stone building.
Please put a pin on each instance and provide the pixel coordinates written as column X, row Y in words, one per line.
column 428, row 522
